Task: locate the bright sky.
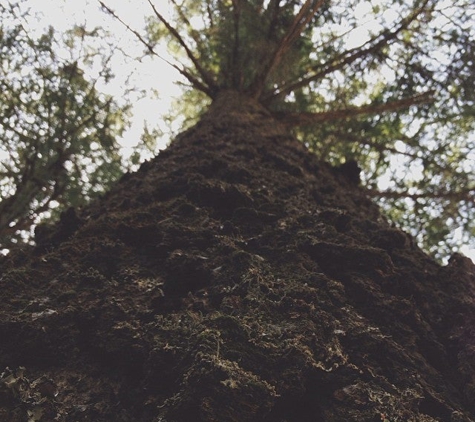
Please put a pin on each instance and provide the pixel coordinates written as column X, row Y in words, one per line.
column 150, row 75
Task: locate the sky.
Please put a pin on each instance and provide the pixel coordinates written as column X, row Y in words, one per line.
column 152, row 74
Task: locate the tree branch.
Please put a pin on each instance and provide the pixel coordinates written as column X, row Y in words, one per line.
column 236, row 60
column 302, row 119
column 274, row 9
column 467, row 194
column 381, row 148
column 193, row 33
column 207, row 78
column 210, row 14
column 198, row 84
column 304, row 16
column 347, row 57
column 133, row 31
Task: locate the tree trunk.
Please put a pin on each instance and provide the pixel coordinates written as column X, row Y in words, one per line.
column 234, row 278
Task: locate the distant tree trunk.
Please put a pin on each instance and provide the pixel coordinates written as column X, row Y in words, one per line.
column 234, row 278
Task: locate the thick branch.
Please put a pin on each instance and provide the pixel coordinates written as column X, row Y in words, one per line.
column 347, row 57
column 304, row 16
column 302, row 119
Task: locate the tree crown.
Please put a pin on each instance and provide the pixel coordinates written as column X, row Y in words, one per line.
column 387, row 84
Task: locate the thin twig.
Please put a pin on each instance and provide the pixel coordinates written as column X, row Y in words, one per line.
column 193, row 33
column 198, row 84
column 236, row 64
column 206, row 76
column 149, row 47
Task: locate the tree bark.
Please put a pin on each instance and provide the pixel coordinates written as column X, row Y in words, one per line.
column 234, row 278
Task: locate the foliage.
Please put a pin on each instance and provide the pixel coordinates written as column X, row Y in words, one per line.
column 58, row 130
column 387, row 83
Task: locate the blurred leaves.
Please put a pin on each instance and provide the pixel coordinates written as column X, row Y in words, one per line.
column 58, row 130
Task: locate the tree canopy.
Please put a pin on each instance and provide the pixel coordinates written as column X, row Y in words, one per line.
column 385, row 83
column 58, row 131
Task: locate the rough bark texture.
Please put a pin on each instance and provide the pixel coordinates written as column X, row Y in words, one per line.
column 234, row 278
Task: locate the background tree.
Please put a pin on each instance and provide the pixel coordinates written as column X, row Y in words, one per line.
column 387, row 84
column 58, row 131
